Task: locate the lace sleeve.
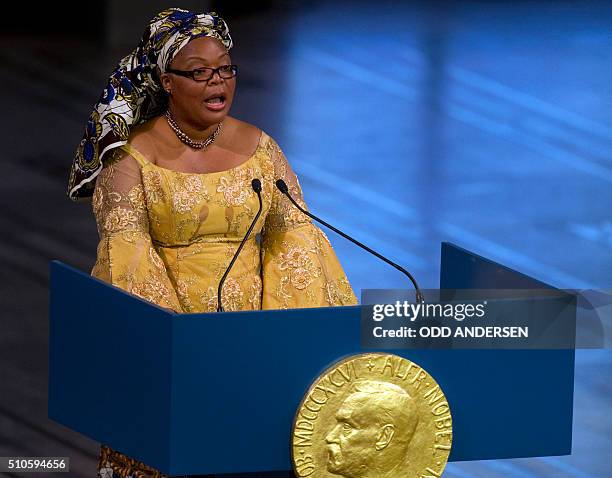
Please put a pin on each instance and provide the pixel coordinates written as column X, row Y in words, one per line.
column 300, row 267
column 126, row 257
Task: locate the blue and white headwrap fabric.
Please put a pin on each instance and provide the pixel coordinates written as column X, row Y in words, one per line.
column 134, row 93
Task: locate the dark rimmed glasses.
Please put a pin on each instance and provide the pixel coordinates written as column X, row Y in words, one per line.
column 205, row 73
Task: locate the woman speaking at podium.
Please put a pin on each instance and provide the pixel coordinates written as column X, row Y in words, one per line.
column 171, row 175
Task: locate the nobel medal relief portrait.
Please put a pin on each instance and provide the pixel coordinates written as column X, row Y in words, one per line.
column 372, row 416
column 170, row 175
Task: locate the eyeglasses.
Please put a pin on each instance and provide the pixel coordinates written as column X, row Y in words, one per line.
column 205, row 73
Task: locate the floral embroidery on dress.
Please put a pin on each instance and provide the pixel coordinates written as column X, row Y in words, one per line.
column 299, row 265
column 136, row 198
column 209, row 300
column 155, row 259
column 150, row 288
column 294, row 217
column 280, row 292
column 152, row 182
column 189, row 191
column 255, row 298
column 232, row 296
column 119, row 219
column 133, row 236
column 98, row 200
column 236, row 190
column 182, row 290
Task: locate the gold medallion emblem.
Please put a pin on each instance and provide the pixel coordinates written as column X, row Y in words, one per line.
column 372, row 415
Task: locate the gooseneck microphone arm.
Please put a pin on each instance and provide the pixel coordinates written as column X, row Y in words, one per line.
column 256, row 185
column 282, row 187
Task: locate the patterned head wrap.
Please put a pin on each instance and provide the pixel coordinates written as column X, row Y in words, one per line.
column 134, row 93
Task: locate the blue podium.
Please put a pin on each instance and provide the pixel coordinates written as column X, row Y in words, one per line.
column 217, row 393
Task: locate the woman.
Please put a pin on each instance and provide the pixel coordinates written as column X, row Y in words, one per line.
column 173, row 195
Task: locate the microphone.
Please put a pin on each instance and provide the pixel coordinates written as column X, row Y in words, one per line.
column 282, row 187
column 256, row 185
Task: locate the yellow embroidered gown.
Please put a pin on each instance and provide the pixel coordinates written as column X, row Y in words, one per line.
column 168, row 237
